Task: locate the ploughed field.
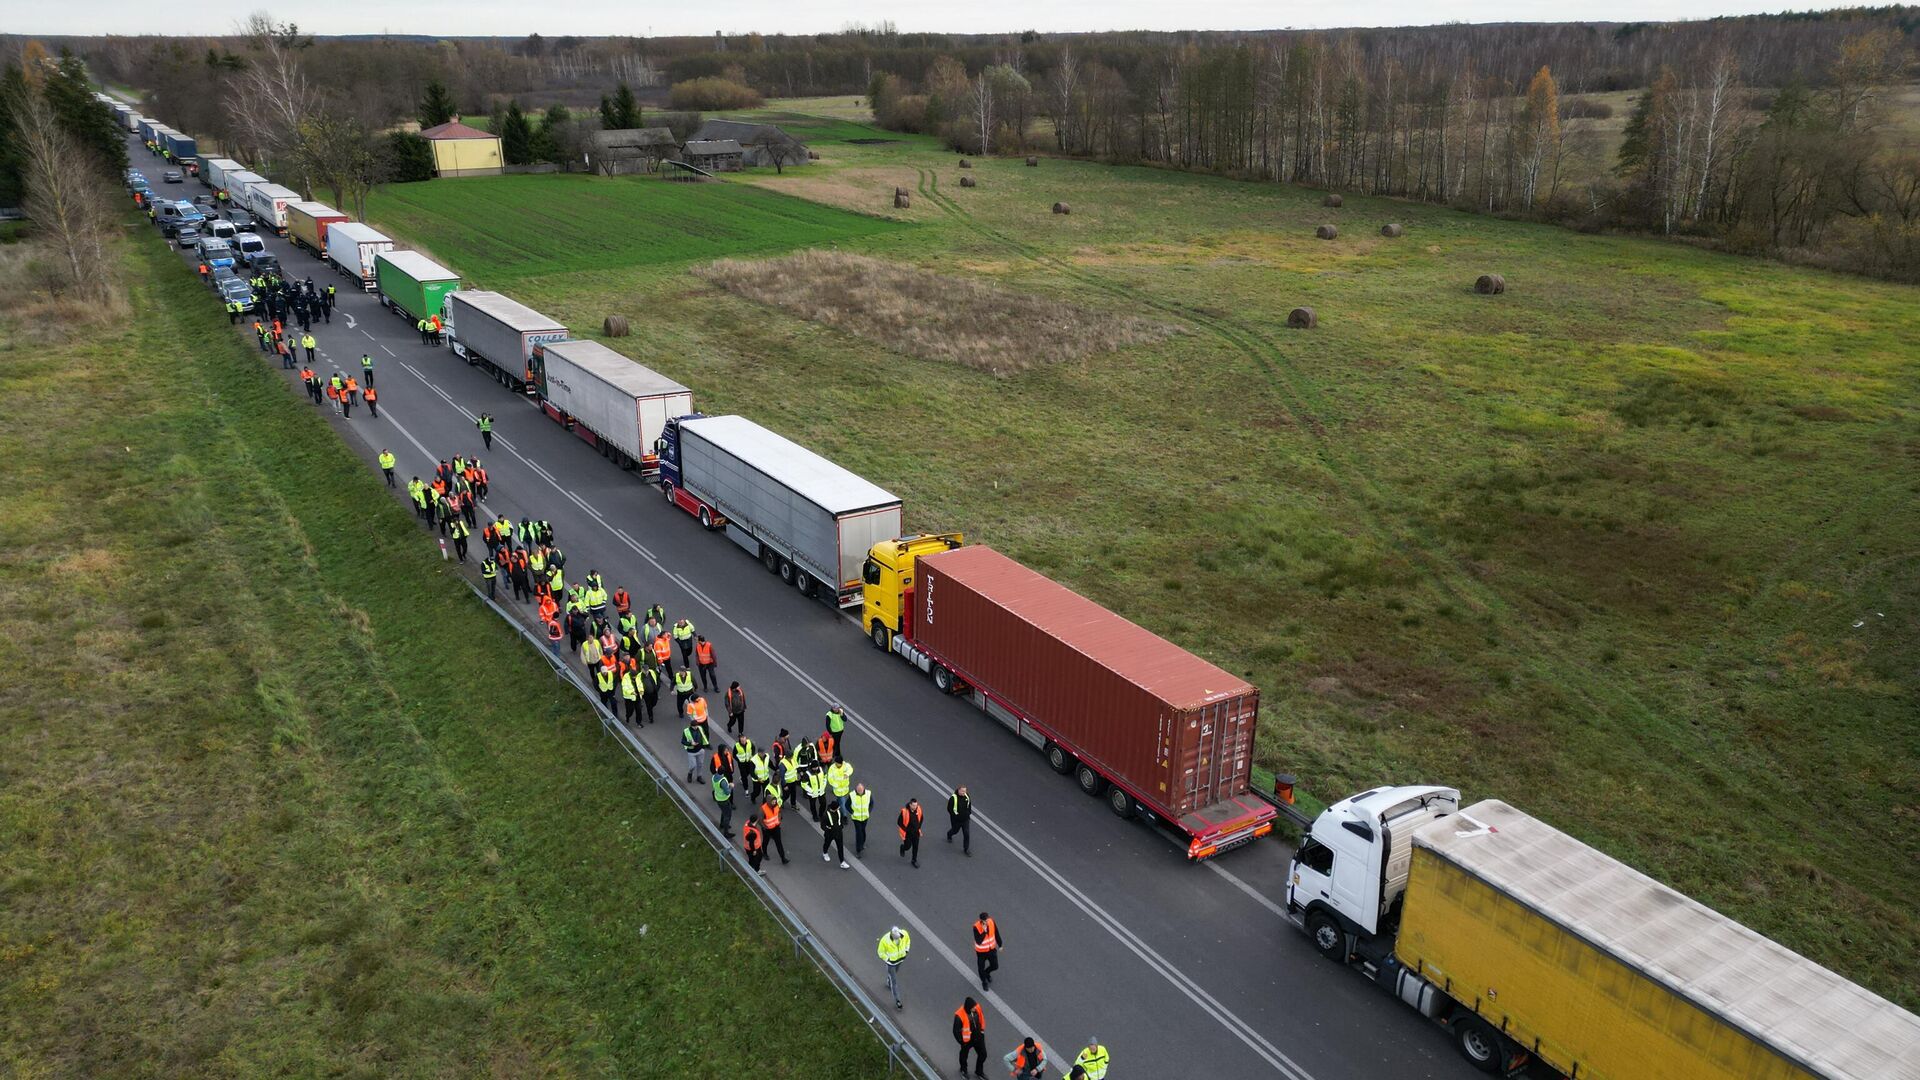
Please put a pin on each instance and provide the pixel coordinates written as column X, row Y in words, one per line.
column 1631, row 545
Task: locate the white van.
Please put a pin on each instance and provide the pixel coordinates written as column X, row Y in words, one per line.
column 249, row 245
column 222, row 229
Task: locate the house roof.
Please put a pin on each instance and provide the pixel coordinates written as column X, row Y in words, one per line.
column 708, row 147
column 454, row 129
column 742, row 132
column 633, row 139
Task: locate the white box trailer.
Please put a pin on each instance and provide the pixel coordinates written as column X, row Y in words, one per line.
column 805, row 518
column 497, row 334
column 269, row 203
column 132, row 120
column 239, row 184
column 615, row 404
column 215, row 171
column 351, row 248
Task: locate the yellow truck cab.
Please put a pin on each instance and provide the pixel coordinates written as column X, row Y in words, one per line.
column 887, row 577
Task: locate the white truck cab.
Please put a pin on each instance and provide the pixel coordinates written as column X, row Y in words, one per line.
column 1351, row 869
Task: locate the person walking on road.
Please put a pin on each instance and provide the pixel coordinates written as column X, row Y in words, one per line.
column 736, row 700
column 682, row 690
column 894, row 945
column 837, row 726
column 970, row 1031
column 986, row 949
column 723, row 798
column 709, row 670
column 604, row 681
column 911, row 818
column 490, row 572
column 386, row 465
column 459, row 531
column 308, row 342
column 649, row 689
column 859, row 809
column 1093, row 1061
column 373, row 400
column 762, row 773
column 683, row 637
column 833, row 829
column 755, row 843
column 770, row 814
column 1028, row 1060
column 485, row 424
column 814, row 787
column 693, row 739
column 840, row 782
column 960, row 818
column 366, row 367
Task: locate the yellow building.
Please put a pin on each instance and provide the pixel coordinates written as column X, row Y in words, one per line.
column 459, row 150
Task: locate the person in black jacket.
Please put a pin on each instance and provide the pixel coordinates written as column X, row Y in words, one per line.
column 970, row 1031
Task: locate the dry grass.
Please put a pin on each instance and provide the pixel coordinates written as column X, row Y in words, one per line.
column 931, row 316
column 34, row 306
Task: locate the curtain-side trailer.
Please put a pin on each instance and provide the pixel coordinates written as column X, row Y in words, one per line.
column 617, row 405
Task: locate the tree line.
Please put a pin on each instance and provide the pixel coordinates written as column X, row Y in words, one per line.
column 61, row 157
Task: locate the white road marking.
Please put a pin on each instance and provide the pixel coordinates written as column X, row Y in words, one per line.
column 1252, row 893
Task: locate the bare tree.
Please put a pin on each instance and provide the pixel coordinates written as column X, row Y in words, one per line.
column 65, row 196
column 783, row 152
column 272, row 96
column 341, row 154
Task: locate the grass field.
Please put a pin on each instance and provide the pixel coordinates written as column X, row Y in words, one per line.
column 1632, row 546
column 281, row 799
column 502, row 228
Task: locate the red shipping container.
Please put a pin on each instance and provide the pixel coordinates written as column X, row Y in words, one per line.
column 1173, row 730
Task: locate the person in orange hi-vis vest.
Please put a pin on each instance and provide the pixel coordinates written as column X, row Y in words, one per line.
column 911, row 818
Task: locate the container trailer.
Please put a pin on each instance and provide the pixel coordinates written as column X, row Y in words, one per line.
column 215, row 170
column 1527, row 944
column 412, row 285
column 802, row 516
column 240, row 184
column 352, row 248
column 132, row 121
column 307, row 224
column 1156, row 731
column 268, row 202
column 182, row 146
column 616, row 405
column 496, row 334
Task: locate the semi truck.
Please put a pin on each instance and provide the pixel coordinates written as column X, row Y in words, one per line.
column 1527, row 944
column 240, row 184
column 497, row 334
column 269, row 204
column 617, row 406
column 133, row 120
column 805, row 518
column 182, row 146
column 307, row 224
column 412, row 285
column 1155, row 731
column 352, row 248
column 214, row 172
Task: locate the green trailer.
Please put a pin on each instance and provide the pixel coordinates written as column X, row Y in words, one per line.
column 412, row 285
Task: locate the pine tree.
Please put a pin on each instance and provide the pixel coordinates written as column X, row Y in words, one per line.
column 620, row 112
column 516, row 136
column 438, row 107
column 84, row 117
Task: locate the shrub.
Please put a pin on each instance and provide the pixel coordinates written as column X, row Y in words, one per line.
column 1584, row 109
column 713, row 92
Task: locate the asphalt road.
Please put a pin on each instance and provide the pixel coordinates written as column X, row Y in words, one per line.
column 1181, row 970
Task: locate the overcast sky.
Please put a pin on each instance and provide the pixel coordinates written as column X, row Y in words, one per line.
column 623, row 17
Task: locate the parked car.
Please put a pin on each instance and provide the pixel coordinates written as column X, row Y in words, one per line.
column 232, row 288
column 224, row 274
column 173, row 176
column 266, row 264
column 187, row 234
column 241, row 220
column 205, row 203
column 214, row 251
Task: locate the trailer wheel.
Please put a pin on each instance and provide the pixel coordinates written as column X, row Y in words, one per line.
column 1327, row 937
column 769, row 559
column 804, row 582
column 942, row 679
column 1120, row 803
column 706, row 519
column 1091, row 782
column 1478, row 1042
column 1058, row 759
column 881, row 639
column 786, row 571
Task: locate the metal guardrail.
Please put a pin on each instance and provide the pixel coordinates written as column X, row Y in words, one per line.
column 900, row 1051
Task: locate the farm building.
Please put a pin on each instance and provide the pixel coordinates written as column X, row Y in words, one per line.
column 632, row 150
column 761, row 145
column 459, row 150
column 714, row 155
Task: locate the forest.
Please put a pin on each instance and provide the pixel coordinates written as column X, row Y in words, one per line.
column 1780, row 135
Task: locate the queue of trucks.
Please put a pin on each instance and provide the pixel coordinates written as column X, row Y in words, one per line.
column 1525, row 944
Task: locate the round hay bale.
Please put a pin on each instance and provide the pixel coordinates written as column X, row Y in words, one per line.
column 902, row 201
column 1326, row 232
column 616, row 326
column 1331, row 200
column 1490, row 285
column 1032, row 162
column 901, row 193
column 965, row 164
column 813, row 155
column 967, row 181
column 1301, row 318
column 1391, row 230
column 1062, row 208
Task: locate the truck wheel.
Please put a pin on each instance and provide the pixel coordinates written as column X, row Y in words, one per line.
column 1120, row 803
column 804, row 582
column 706, row 519
column 1328, row 939
column 1058, row 759
column 667, row 488
column 942, row 679
column 1479, row 1043
column 786, row 571
column 1091, row 782
column 881, row 639
column 769, row 559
